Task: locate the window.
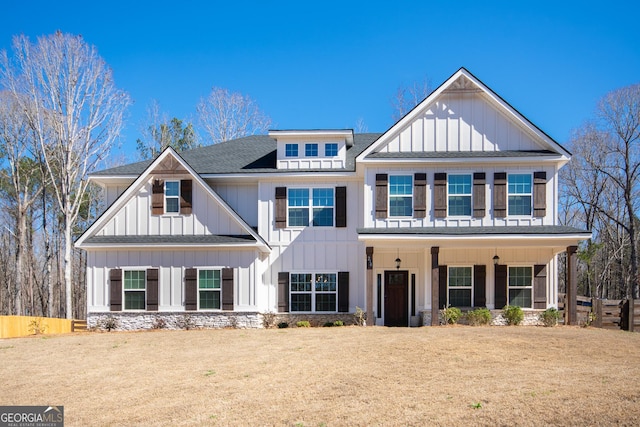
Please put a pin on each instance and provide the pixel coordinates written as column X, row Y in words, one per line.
column 172, row 196
column 134, row 289
column 520, row 286
column 460, row 287
column 400, row 195
column 310, row 207
column 314, row 292
column 311, row 150
column 209, row 289
column 519, row 194
column 459, row 194
column 331, row 149
column 291, row 150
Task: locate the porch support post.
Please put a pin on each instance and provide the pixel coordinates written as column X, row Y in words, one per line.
column 370, row 317
column 571, row 304
column 435, row 286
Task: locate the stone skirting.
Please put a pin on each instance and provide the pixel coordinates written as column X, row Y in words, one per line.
column 531, row 318
column 314, row 320
column 127, row 321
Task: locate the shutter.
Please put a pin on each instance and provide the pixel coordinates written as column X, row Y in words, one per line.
column 227, row 288
column 115, row 281
column 343, row 291
column 539, row 194
column 420, row 195
column 283, row 292
column 157, row 197
column 500, row 195
column 382, row 181
column 281, row 207
column 185, row 196
column 540, row 286
column 479, row 285
column 479, row 184
column 190, row 289
column 152, row 289
column 442, row 287
column 341, row 206
column 501, row 286
column 440, row 196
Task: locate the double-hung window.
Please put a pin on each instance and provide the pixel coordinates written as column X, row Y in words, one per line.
column 400, row 195
column 519, row 194
column 331, row 149
column 460, row 286
column 291, row 150
column 311, row 150
column 314, row 292
column 134, row 289
column 209, row 289
column 313, row 207
column 459, row 189
column 172, row 196
column 520, row 282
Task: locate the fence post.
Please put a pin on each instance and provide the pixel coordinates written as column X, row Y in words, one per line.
column 598, row 312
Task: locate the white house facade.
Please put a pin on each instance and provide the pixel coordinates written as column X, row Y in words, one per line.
column 455, row 205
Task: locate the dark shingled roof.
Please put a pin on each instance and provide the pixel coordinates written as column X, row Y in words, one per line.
column 475, row 231
column 251, row 154
column 213, row 239
column 460, row 154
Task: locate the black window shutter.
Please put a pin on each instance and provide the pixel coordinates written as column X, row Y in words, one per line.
column 227, row 288
column 540, row 286
column 539, row 194
column 420, row 195
column 382, row 180
column 479, row 285
column 283, row 292
column 115, row 293
column 443, row 297
column 479, row 183
column 440, row 195
column 191, row 289
column 185, row 196
column 343, row 291
column 152, row 289
column 281, row 207
column 501, row 286
column 500, row 195
column 157, row 197
column 341, row 206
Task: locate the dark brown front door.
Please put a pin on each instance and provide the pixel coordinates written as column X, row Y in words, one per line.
column 396, row 298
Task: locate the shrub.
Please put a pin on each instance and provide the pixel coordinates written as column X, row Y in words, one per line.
column 37, row 326
column 479, row 316
column 360, row 317
column 269, row 319
column 338, row 323
column 185, row 322
column 513, row 314
column 283, row 325
column 550, row 317
column 451, row 315
column 109, row 323
column 303, row 324
column 159, row 323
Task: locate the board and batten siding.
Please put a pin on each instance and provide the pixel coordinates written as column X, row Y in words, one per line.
column 242, row 197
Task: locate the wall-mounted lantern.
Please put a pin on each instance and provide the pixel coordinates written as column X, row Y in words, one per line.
column 496, row 259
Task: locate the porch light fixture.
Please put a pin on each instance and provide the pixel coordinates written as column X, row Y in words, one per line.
column 398, row 261
column 496, row 259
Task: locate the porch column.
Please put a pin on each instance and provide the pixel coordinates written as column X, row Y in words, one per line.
column 435, row 286
column 571, row 304
column 370, row 318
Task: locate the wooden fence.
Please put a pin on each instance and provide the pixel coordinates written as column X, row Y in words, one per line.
column 606, row 313
column 22, row 326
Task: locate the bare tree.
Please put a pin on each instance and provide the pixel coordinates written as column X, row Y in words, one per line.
column 408, row 96
column 75, row 112
column 228, row 115
column 160, row 133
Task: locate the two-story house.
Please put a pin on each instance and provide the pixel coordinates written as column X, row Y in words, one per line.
column 455, row 205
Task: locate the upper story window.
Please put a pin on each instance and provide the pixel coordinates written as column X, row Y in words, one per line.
column 459, row 195
column 291, row 150
column 209, row 289
column 314, row 292
column 460, row 287
column 519, row 194
column 400, row 195
column 311, row 150
column 331, row 149
column 310, row 207
column 172, row 196
column 134, row 289
column 520, row 288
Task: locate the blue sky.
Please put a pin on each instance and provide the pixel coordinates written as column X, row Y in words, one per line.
column 327, row 64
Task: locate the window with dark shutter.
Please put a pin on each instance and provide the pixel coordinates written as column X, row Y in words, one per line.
column 539, row 194
column 500, row 195
column 479, row 285
column 185, row 196
column 540, row 286
column 152, row 289
column 115, row 293
column 227, row 288
column 442, row 286
column 382, row 181
column 343, row 291
column 191, row 289
column 479, row 203
column 440, row 196
column 420, row 195
column 157, row 197
column 501, row 286
column 281, row 207
column 283, row 292
column 341, row 206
